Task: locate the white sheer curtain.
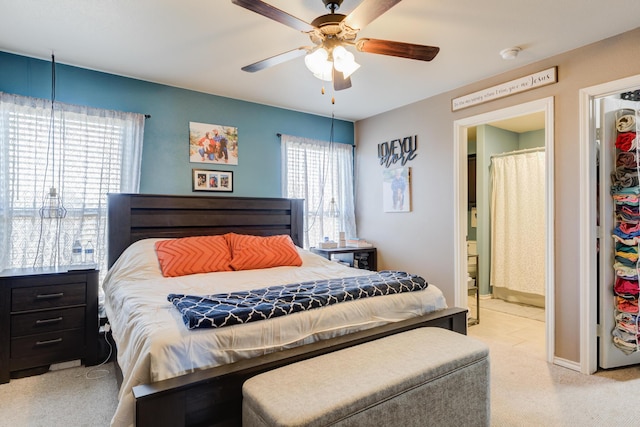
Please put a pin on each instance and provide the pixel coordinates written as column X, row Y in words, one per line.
column 94, row 152
column 518, row 222
column 319, row 172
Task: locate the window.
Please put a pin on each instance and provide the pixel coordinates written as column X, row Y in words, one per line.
column 85, row 153
column 321, row 173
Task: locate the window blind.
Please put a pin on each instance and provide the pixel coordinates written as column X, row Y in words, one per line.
column 319, row 172
column 85, row 153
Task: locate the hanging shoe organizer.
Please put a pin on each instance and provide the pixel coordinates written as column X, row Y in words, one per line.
column 625, row 191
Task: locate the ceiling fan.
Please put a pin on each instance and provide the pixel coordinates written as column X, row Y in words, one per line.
column 328, row 59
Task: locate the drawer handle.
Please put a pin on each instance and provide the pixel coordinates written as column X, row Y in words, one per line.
column 49, row 296
column 48, row 342
column 47, row 321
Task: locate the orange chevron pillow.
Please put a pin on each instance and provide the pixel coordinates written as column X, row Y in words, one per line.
column 254, row 252
column 191, row 255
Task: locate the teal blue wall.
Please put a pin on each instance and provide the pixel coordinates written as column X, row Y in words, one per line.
column 531, row 139
column 165, row 160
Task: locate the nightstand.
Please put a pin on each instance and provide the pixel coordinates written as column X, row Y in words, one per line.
column 47, row 315
column 364, row 258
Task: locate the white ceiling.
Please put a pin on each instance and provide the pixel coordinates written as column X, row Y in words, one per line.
column 522, row 124
column 201, row 45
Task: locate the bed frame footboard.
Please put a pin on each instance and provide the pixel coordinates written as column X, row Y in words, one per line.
column 213, row 397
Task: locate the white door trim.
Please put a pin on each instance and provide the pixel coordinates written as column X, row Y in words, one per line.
column 460, row 203
column 588, row 229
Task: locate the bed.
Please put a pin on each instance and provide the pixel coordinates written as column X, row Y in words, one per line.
column 175, row 376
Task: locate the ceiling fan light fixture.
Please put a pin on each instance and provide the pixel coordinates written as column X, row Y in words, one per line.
column 326, row 74
column 340, row 54
column 349, row 69
column 344, row 61
column 316, row 61
column 321, row 66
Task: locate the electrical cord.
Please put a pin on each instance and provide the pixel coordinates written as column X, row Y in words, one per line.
column 96, row 373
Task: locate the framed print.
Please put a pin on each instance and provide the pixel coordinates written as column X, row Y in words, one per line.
column 216, row 144
column 396, row 189
column 207, row 180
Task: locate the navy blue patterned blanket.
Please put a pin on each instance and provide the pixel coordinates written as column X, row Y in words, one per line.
column 215, row 311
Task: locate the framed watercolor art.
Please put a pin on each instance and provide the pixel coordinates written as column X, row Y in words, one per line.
column 396, row 189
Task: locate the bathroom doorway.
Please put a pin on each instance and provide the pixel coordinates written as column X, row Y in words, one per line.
column 508, row 134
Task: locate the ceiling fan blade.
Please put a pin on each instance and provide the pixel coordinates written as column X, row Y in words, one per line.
column 275, row 60
column 367, row 11
column 339, row 81
column 274, row 13
column 402, row 50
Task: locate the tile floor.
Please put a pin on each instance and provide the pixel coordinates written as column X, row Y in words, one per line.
column 511, row 324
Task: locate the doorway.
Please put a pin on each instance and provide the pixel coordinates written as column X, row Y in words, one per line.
column 594, row 329
column 461, row 150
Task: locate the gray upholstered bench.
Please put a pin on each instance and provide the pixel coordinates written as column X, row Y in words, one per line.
column 422, row 377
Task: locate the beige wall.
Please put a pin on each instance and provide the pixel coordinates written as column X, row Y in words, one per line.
column 422, row 241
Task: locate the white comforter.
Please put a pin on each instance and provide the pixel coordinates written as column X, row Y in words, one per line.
column 154, row 344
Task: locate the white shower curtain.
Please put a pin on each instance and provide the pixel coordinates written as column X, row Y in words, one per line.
column 518, row 222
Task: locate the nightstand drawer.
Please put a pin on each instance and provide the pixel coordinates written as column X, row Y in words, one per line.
column 57, row 344
column 40, row 297
column 47, row 321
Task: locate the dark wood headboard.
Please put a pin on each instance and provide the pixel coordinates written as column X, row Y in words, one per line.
column 133, row 217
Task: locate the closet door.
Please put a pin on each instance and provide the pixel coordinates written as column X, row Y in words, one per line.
column 609, row 354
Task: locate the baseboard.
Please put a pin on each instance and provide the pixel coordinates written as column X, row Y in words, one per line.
column 65, row 365
column 569, row 364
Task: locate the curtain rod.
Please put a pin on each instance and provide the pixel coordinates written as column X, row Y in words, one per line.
column 147, row 116
column 526, row 150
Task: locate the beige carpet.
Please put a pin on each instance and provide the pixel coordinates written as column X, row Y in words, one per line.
column 71, row 397
column 525, row 390
column 528, row 391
